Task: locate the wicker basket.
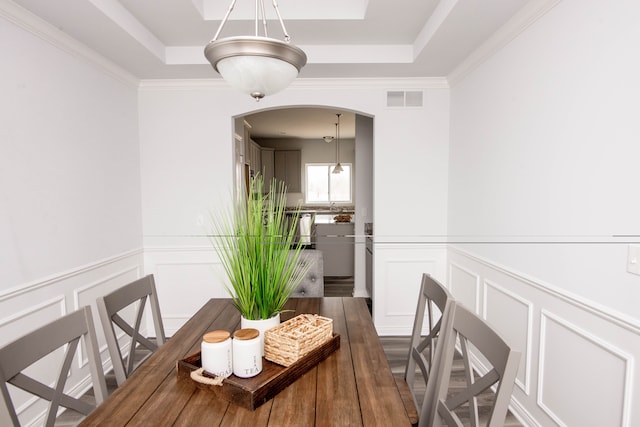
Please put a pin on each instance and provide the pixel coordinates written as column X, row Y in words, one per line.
column 291, row 340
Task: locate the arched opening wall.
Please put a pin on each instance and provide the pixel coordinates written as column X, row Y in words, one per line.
column 186, row 134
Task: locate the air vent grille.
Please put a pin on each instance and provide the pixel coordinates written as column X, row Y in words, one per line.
column 401, row 98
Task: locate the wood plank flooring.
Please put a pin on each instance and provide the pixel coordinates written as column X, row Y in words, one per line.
column 338, row 286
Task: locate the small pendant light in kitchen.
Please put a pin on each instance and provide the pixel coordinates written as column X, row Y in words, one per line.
column 338, row 167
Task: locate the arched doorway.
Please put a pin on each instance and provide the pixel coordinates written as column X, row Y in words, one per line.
column 295, row 135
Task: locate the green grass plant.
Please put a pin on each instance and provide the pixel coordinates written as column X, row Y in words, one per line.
column 257, row 247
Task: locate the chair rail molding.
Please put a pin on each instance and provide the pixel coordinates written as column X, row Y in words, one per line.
column 30, row 305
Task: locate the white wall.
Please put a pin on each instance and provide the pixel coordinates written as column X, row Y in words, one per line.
column 544, row 144
column 544, row 157
column 69, row 161
column 363, row 198
column 70, row 215
column 186, row 138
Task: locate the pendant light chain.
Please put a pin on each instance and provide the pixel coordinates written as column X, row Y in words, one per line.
column 284, row 30
column 259, row 14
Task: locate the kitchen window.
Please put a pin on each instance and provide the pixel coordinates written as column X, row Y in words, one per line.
column 323, row 186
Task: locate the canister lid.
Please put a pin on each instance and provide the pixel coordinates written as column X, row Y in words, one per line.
column 216, row 336
column 246, row 334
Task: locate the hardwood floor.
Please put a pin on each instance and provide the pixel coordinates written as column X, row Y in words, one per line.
column 338, row 286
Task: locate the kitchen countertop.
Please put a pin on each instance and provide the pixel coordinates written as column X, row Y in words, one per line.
column 324, row 210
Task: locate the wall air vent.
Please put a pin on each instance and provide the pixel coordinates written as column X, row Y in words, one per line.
column 400, row 98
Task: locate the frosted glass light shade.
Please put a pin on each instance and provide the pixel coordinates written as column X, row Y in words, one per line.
column 258, row 66
column 257, row 75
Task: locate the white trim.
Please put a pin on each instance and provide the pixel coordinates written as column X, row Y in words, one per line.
column 526, row 387
column 470, row 273
column 522, row 414
column 315, row 83
column 524, row 18
column 60, row 300
column 40, row 28
column 180, row 248
column 58, row 277
column 605, row 313
column 76, row 302
column 608, row 347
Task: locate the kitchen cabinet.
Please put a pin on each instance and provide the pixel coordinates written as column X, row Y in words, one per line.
column 267, row 157
column 336, row 241
column 287, row 165
column 254, row 157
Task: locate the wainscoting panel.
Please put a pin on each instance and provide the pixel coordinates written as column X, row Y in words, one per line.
column 579, row 360
column 465, row 285
column 87, row 295
column 31, row 305
column 397, row 275
column 512, row 316
column 186, row 277
column 575, row 363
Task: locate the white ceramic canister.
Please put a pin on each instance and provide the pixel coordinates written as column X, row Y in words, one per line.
column 216, row 353
column 247, row 355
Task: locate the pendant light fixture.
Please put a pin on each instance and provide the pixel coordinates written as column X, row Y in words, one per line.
column 257, row 65
column 338, row 167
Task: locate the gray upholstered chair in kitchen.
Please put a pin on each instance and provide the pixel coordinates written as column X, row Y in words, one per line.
column 312, row 285
column 64, row 335
column 110, row 307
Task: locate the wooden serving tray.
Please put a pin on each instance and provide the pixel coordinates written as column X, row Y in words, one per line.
column 250, row 393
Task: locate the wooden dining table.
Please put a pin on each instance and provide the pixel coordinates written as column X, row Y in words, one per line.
column 354, row 386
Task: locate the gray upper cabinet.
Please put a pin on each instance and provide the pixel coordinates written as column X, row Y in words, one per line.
column 267, row 166
column 254, row 157
column 287, row 164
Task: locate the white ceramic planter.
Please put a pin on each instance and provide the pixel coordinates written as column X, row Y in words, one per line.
column 261, row 325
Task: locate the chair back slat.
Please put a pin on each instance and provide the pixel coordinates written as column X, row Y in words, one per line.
column 109, row 306
column 464, row 328
column 432, row 296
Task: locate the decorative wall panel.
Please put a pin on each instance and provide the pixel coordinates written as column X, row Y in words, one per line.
column 579, row 370
column 512, row 316
column 577, row 356
column 31, row 305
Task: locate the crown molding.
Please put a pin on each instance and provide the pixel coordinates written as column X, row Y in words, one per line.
column 528, row 15
column 315, row 83
column 35, row 25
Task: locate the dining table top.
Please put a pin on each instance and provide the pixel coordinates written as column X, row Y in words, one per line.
column 353, row 386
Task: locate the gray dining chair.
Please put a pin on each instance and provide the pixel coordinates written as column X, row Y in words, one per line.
column 465, row 329
column 18, row 355
column 110, row 308
column 435, row 301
